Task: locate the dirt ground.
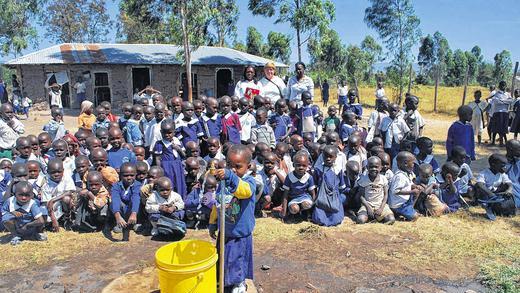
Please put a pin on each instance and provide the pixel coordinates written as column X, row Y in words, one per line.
column 431, row 255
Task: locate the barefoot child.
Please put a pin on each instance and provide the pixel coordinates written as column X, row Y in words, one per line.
column 240, row 220
column 429, row 202
column 164, row 202
column 299, row 188
column 21, row 215
column 373, row 192
column 92, row 208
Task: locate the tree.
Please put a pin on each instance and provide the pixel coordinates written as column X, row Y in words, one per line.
column 16, row 29
column 485, row 74
column 70, row 21
column 473, row 65
column 373, row 52
column 254, row 41
column 357, row 64
column 140, row 21
column 457, row 69
column 503, row 65
column 239, row 46
column 328, row 55
column 224, row 17
column 278, row 47
column 398, row 26
column 426, row 57
column 310, row 17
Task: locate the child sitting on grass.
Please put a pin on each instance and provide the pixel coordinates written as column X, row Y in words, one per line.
column 299, row 188
column 403, row 192
column 428, row 202
column 513, row 169
column 425, row 156
column 465, row 176
column 240, row 220
column 373, row 192
column 493, row 189
column 92, row 206
column 57, row 194
column 21, row 215
column 164, row 202
column 448, row 192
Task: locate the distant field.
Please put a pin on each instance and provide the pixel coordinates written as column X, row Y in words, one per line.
column 448, row 99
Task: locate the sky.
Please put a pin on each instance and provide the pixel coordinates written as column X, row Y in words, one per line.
column 492, row 25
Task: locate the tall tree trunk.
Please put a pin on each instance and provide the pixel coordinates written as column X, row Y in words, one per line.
column 410, row 79
column 437, row 76
column 187, row 53
column 466, row 78
column 298, row 37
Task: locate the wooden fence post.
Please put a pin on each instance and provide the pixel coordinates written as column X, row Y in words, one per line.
column 437, row 76
column 465, row 85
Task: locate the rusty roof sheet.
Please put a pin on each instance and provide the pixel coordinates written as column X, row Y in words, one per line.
column 79, row 53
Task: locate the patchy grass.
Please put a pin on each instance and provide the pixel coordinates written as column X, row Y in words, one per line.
column 501, row 277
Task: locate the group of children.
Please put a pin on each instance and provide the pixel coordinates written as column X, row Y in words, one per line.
column 162, row 167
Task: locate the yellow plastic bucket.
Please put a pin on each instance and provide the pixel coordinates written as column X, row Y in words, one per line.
column 187, row 266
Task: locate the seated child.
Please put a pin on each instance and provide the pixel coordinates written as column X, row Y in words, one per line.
column 513, row 168
column 299, row 188
column 240, row 220
column 92, row 206
column 147, row 188
column 260, row 149
column 373, row 193
column 101, row 119
column 493, row 189
column 262, row 132
column 57, row 194
column 402, row 191
column 356, row 152
column 273, row 177
column 99, row 160
column 448, row 192
column 280, row 121
column 55, row 127
column 425, row 156
column 193, row 150
column 199, row 203
column 116, row 154
column 282, row 152
column 353, row 171
column 463, row 180
column 21, row 215
column 330, row 183
column 164, row 202
column 214, row 150
column 125, row 199
column 428, row 202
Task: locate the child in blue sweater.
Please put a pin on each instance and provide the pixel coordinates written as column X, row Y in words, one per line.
column 240, row 219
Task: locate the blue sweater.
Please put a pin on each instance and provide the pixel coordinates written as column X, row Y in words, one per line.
column 130, row 197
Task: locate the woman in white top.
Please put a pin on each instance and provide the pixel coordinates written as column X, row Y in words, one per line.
column 273, row 87
column 299, row 84
column 81, row 89
column 248, row 87
column 55, row 96
column 342, row 95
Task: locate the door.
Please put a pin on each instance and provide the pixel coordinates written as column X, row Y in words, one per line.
column 101, row 88
column 225, row 84
column 140, row 78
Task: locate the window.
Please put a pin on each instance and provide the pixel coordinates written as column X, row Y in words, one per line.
column 101, row 87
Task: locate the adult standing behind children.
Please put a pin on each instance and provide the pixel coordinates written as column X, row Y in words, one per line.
column 10, row 130
column 342, row 94
column 325, row 93
column 248, row 87
column 299, row 84
column 380, row 92
column 81, row 89
column 500, row 114
column 273, row 87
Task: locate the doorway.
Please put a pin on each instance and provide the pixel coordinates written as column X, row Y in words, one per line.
column 101, row 88
column 140, row 78
column 224, row 78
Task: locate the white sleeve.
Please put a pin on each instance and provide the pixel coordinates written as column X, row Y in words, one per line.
column 151, row 205
column 238, row 89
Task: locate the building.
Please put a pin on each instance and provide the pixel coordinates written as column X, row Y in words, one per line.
column 113, row 71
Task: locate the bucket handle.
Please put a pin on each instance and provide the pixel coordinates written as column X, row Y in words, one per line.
column 200, row 277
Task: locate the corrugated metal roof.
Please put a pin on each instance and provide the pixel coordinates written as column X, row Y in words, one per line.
column 77, row 53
